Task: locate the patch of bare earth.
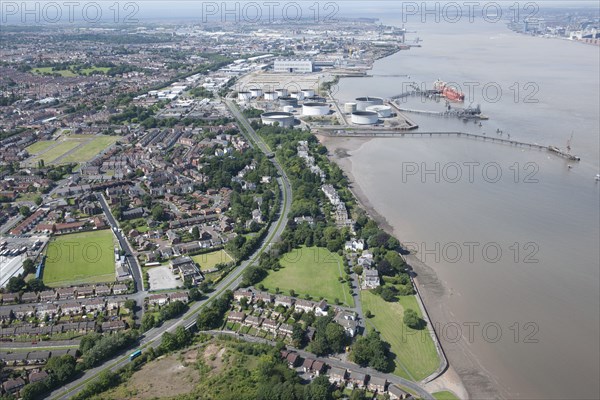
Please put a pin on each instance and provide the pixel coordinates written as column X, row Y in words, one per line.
column 213, row 357
column 167, row 377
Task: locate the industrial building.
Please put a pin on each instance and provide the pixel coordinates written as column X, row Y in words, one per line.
column 293, row 65
column 364, row 118
column 284, row 119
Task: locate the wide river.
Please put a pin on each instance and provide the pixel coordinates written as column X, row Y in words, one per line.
column 511, row 234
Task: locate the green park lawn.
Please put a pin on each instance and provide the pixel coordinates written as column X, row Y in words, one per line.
column 39, row 146
column 77, row 258
column 55, row 152
column 67, row 73
column 90, row 149
column 445, row 395
column 415, row 353
column 207, row 261
column 314, row 271
column 48, row 70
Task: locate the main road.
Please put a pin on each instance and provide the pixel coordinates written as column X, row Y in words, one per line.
column 134, row 265
column 153, row 337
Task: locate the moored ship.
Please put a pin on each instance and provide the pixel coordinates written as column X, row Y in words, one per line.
column 448, row 92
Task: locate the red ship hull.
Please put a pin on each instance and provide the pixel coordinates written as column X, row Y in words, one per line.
column 452, row 94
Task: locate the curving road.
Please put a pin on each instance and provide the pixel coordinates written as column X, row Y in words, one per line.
column 153, row 337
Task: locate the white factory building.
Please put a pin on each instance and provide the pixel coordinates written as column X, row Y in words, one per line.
column 293, row 65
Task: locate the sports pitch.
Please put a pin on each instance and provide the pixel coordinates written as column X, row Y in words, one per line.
column 78, row 258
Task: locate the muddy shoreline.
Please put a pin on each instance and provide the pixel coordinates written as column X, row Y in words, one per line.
column 465, row 376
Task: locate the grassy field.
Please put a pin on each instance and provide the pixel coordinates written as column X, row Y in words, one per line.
column 67, row 73
column 39, row 146
column 86, row 257
column 208, row 261
column 86, row 71
column 48, row 70
column 311, row 270
column 445, row 395
column 90, row 149
column 55, row 152
column 416, row 356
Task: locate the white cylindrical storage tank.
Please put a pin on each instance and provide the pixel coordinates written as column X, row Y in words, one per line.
column 363, row 102
column 284, row 119
column 315, row 99
column 244, row 96
column 271, row 96
column 281, row 92
column 288, row 101
column 308, row 92
column 288, row 109
column 315, row 109
column 349, row 108
column 255, row 92
column 364, row 117
column 383, row 111
column 297, row 95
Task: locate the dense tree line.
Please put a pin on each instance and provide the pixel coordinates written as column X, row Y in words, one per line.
column 167, row 312
column 96, row 348
column 371, row 351
column 211, row 317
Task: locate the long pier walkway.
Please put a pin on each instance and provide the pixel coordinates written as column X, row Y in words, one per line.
column 401, row 134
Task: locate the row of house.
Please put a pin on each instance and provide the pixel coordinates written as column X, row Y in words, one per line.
column 68, row 308
column 342, row 376
column 319, row 308
column 82, row 327
column 267, row 324
column 163, row 298
column 75, row 292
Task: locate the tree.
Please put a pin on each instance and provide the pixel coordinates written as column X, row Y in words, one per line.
column 412, row 320
column 358, row 270
column 28, row 266
column 388, row 294
column 298, row 335
column 195, row 294
column 38, row 200
column 130, row 304
column 358, row 394
column 195, row 233
column 158, row 213
column 36, row 285
column 15, row 284
column 368, row 314
column 336, row 337
column 372, row 351
column 61, row 368
column 25, row 211
column 148, row 322
column 253, row 275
